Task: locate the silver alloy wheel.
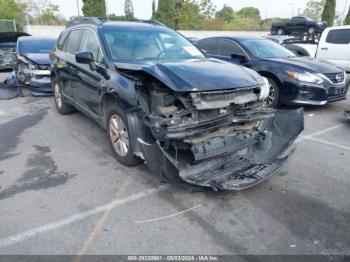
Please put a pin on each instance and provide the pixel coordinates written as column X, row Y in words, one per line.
column 280, row 31
column 58, row 96
column 119, row 135
column 272, row 95
column 312, row 30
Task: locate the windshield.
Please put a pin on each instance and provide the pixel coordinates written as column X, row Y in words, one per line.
column 266, row 49
column 40, row 46
column 148, row 44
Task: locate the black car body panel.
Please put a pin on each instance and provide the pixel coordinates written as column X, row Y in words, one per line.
column 8, row 42
column 33, row 64
column 292, row 92
column 185, row 115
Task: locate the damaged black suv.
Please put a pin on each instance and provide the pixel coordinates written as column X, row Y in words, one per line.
column 194, row 120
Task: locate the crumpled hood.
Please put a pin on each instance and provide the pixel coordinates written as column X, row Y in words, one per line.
column 40, row 59
column 197, row 75
column 308, row 64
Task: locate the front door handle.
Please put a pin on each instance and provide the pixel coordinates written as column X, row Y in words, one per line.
column 324, row 48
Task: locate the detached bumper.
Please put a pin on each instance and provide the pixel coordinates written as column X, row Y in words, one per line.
column 236, row 170
column 295, row 93
column 347, row 114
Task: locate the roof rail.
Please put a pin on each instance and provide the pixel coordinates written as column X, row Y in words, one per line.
column 100, row 20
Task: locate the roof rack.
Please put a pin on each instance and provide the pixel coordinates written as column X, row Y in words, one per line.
column 100, row 20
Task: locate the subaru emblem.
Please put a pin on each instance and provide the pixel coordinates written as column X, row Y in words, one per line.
column 338, row 78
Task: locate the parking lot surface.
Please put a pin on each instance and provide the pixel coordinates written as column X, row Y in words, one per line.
column 62, row 192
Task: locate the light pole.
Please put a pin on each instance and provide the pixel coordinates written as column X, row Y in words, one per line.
column 78, row 8
column 299, row 9
column 107, row 9
column 293, row 5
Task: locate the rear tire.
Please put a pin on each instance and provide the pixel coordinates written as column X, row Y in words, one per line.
column 119, row 136
column 62, row 107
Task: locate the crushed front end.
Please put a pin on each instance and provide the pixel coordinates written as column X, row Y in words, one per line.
column 225, row 140
column 35, row 76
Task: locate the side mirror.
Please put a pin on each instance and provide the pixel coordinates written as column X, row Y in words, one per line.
column 243, row 58
column 86, row 58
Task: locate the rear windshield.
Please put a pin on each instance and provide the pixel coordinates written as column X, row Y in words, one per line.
column 40, row 46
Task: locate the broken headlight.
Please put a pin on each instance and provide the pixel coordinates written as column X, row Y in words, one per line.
column 264, row 89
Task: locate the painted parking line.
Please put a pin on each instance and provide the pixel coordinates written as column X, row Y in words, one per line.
column 10, row 240
column 321, row 132
column 328, row 143
column 169, row 216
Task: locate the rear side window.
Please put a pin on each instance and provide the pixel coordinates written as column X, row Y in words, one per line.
column 227, row 48
column 72, row 45
column 340, row 36
column 209, row 46
column 61, row 40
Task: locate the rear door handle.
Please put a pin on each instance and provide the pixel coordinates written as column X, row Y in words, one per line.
column 324, row 48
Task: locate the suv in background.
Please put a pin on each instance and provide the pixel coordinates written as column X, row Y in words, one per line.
column 334, row 46
column 191, row 118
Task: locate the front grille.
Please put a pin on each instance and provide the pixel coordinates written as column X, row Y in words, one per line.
column 43, row 67
column 337, row 78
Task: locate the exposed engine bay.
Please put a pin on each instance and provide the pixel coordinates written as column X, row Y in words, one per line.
column 223, row 139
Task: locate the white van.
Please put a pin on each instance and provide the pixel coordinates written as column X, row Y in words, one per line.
column 334, row 46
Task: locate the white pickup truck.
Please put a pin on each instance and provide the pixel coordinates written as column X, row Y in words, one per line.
column 333, row 46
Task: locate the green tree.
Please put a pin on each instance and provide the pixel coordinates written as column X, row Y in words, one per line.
column 188, row 16
column 226, row 14
column 328, row 14
column 252, row 15
column 314, row 9
column 11, row 9
column 153, row 9
column 347, row 19
column 94, row 8
column 166, row 12
column 129, row 9
column 48, row 15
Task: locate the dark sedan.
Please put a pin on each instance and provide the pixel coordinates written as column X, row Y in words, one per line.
column 33, row 63
column 293, row 80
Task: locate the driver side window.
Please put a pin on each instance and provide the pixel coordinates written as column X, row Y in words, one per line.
column 89, row 43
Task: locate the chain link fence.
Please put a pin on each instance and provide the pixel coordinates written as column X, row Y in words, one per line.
column 8, row 25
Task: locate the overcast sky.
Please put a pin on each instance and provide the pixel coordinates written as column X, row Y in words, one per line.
column 142, row 8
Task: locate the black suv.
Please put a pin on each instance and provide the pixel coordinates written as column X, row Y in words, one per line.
column 191, row 118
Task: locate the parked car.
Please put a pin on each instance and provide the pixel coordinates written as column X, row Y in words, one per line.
column 334, row 47
column 8, row 42
column 193, row 120
column 33, row 63
column 293, row 80
column 299, row 25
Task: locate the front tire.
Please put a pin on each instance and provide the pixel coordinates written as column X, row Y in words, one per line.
column 119, row 136
column 273, row 100
column 280, row 31
column 62, row 107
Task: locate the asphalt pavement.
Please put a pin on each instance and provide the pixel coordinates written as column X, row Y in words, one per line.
column 62, row 192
